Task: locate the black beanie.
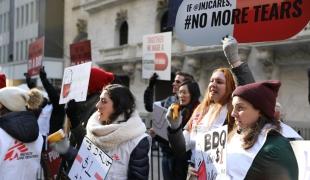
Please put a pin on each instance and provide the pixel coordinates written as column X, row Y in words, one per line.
column 262, row 95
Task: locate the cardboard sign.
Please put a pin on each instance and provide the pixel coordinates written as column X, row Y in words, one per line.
column 90, row 163
column 75, row 83
column 35, row 56
column 302, row 154
column 157, row 56
column 80, row 52
column 210, row 153
column 159, row 122
column 201, row 22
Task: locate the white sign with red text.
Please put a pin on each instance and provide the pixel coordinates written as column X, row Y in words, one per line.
column 157, row 55
column 90, row 163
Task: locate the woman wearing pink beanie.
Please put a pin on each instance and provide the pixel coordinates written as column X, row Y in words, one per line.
column 256, row 143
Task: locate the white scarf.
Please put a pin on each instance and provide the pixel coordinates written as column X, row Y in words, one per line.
column 110, row 136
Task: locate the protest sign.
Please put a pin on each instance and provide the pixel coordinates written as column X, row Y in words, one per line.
column 35, row 56
column 52, row 162
column 157, row 55
column 302, row 154
column 159, row 122
column 80, row 52
column 206, row 22
column 75, row 83
column 210, row 153
column 90, row 163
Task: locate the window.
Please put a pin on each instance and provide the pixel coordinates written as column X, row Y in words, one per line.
column 5, row 49
column 4, row 23
column 21, row 50
column 8, row 22
column 31, row 12
column 0, row 24
column 123, row 33
column 17, row 17
column 17, row 51
column 22, row 16
column 164, row 23
column 37, row 10
column 27, row 14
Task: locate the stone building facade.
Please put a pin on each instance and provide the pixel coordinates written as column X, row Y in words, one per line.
column 106, row 23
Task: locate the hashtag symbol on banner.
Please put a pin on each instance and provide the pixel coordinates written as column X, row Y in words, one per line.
column 188, row 21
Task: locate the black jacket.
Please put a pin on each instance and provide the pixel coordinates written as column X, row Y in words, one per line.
column 22, row 126
column 58, row 112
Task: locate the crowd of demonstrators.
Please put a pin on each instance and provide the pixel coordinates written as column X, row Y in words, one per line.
column 111, row 129
column 168, row 160
column 19, row 132
column 256, row 141
column 215, row 109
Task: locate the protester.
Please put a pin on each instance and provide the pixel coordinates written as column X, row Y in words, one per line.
column 167, row 160
column 188, row 96
column 119, row 131
column 256, row 142
column 79, row 112
column 215, row 109
column 20, row 141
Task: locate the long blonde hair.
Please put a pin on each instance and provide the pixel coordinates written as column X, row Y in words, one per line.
column 204, row 106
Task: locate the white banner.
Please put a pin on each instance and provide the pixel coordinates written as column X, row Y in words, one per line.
column 75, row 83
column 157, row 55
column 90, row 163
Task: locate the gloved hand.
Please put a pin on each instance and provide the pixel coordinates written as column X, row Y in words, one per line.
column 31, row 83
column 230, row 48
column 61, row 146
column 72, row 111
column 173, row 116
column 153, row 80
column 42, row 73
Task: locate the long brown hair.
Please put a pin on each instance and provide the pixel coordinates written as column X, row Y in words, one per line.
column 251, row 134
column 207, row 101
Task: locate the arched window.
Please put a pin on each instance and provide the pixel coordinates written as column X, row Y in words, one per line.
column 123, row 33
column 164, row 23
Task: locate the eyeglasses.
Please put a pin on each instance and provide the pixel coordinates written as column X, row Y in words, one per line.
column 177, row 81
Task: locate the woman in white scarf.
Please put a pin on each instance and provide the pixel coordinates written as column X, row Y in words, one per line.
column 118, row 130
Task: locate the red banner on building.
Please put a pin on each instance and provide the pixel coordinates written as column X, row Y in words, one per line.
column 80, row 52
column 35, row 56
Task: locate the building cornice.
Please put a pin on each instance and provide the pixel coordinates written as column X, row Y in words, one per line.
column 93, row 6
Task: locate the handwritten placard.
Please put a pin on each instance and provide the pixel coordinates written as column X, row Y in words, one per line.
column 90, row 163
column 210, row 153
